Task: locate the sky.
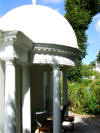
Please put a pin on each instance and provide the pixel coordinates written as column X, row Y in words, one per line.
column 93, row 32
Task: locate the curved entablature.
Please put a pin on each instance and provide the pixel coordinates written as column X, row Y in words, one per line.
column 22, row 48
column 59, row 50
column 54, row 54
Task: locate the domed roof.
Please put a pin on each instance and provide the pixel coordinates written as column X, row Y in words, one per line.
column 41, row 24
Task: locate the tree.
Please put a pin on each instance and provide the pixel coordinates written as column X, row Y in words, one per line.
column 87, row 71
column 75, row 74
column 92, row 63
column 80, row 13
column 98, row 56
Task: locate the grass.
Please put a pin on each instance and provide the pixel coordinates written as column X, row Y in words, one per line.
column 85, row 96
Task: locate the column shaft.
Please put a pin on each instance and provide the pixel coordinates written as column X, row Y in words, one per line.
column 2, row 96
column 26, row 109
column 56, row 101
column 10, row 98
column 65, row 90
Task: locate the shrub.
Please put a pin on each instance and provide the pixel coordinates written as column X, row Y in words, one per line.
column 84, row 100
column 90, row 105
column 95, row 85
column 97, row 75
column 86, row 82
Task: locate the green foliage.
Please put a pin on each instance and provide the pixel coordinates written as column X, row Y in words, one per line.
column 85, row 96
column 87, row 71
column 92, row 63
column 83, row 93
column 90, row 106
column 75, row 74
column 85, row 82
column 97, row 75
column 76, row 95
column 79, row 13
column 95, row 85
column 98, row 56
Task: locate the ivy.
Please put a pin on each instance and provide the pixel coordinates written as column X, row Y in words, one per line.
column 79, row 13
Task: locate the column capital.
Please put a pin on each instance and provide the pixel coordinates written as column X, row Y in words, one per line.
column 56, row 67
column 64, row 70
column 8, row 60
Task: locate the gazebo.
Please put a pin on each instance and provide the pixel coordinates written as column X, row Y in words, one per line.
column 36, row 45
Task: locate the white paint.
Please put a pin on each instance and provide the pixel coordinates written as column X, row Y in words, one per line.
column 48, row 59
column 6, row 49
column 26, row 112
column 10, row 86
column 2, row 90
column 56, row 101
column 9, row 48
column 10, row 98
column 41, row 24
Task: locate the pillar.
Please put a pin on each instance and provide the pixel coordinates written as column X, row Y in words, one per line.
column 56, row 100
column 26, row 109
column 2, row 95
column 65, row 90
column 10, row 97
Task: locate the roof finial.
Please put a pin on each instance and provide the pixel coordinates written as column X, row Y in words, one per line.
column 34, row 2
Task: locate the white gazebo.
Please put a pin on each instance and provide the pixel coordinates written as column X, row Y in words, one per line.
column 36, row 45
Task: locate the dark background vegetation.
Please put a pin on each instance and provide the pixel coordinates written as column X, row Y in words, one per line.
column 83, row 81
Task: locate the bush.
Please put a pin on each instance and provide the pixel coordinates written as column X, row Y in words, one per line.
column 84, row 100
column 90, row 104
column 76, row 95
column 86, row 82
column 97, row 75
column 95, row 85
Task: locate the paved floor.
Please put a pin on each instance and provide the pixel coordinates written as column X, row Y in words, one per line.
column 86, row 124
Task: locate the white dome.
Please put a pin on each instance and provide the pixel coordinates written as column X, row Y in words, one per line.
column 41, row 24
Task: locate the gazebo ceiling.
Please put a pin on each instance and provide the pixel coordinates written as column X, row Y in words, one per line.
column 41, row 24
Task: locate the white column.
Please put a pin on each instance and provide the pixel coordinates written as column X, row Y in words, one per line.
column 56, row 101
column 65, row 90
column 26, row 110
column 2, row 91
column 10, row 97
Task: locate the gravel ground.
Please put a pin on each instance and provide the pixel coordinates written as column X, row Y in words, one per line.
column 85, row 124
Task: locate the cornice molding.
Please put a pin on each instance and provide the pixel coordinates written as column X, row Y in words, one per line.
column 14, row 44
column 8, row 35
column 17, row 37
column 23, row 48
column 57, row 50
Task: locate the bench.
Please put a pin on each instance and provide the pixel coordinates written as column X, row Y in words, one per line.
column 48, row 124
